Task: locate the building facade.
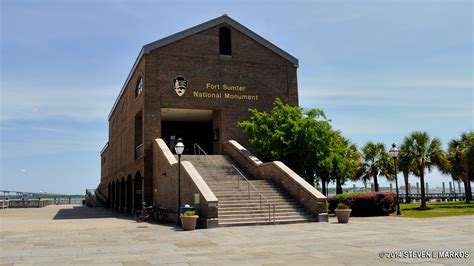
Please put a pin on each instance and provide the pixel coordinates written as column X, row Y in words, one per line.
column 196, row 85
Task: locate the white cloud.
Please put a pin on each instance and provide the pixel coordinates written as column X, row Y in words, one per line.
column 42, row 103
column 419, row 93
column 441, row 84
column 336, row 92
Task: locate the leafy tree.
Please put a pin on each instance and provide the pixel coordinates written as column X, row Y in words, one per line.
column 293, row 135
column 304, row 140
column 424, row 153
column 325, row 158
column 375, row 162
column 345, row 162
column 461, row 161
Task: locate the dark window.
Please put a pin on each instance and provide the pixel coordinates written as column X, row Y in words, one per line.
column 225, row 46
column 139, row 87
column 138, row 136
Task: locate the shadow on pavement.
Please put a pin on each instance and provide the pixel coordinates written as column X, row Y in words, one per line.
column 82, row 212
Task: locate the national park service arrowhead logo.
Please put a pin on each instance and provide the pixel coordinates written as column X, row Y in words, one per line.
column 180, row 84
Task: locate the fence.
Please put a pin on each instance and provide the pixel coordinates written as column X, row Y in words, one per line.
column 443, row 193
column 37, row 203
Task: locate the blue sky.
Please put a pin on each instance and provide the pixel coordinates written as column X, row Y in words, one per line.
column 379, row 69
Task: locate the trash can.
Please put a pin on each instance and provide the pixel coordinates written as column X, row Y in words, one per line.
column 185, row 208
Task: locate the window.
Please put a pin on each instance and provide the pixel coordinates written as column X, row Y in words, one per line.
column 139, row 87
column 225, row 47
column 138, row 135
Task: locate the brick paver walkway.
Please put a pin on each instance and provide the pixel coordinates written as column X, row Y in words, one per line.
column 58, row 235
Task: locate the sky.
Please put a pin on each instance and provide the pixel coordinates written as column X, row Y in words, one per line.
column 379, row 69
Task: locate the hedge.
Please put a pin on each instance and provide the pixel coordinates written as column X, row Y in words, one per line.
column 366, row 204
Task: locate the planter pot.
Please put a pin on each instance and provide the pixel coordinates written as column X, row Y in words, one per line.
column 189, row 222
column 343, row 215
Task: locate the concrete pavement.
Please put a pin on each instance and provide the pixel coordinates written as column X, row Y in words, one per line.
column 65, row 234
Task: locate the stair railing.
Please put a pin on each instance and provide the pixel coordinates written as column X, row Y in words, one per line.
column 100, row 198
column 270, row 205
column 90, row 197
column 199, row 151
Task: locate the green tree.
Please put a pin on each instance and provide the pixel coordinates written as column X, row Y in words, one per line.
column 336, row 164
column 325, row 158
column 375, row 162
column 293, row 135
column 405, row 165
column 424, row 153
column 304, row 140
column 461, row 161
column 345, row 162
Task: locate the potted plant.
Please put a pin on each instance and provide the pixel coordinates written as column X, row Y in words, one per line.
column 188, row 220
column 343, row 212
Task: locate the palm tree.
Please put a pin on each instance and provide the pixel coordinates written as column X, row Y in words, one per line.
column 374, row 162
column 425, row 153
column 468, row 159
column 461, row 161
column 405, row 164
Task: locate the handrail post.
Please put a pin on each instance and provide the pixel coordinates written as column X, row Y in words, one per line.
column 199, row 151
column 248, row 189
column 274, row 220
column 269, row 214
column 260, row 194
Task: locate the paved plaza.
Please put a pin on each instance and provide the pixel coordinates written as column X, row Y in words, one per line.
column 66, row 234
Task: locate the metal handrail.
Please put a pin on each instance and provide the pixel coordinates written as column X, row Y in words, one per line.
column 270, row 205
column 198, row 150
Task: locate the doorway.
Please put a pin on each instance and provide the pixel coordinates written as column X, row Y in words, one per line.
column 191, row 125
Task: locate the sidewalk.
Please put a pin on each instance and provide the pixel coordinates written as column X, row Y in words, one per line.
column 68, row 234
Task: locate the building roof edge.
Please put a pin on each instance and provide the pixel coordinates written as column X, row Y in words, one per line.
column 193, row 30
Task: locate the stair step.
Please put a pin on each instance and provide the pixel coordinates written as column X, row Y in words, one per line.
column 264, row 210
column 232, row 191
column 256, row 205
column 264, row 215
column 261, row 190
column 230, row 196
column 283, row 221
column 256, row 202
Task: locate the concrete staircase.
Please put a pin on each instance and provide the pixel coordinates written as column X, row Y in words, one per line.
column 239, row 203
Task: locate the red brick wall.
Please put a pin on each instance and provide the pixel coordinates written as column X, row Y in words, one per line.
column 260, row 70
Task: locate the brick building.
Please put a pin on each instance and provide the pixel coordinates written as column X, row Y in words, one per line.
column 195, row 85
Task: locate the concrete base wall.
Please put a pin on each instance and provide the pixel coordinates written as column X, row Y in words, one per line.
column 194, row 191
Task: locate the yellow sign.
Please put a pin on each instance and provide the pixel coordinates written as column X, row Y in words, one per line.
column 229, row 92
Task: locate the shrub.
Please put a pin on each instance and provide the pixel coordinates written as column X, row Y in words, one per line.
column 366, row 204
column 188, row 213
column 343, row 205
column 334, row 201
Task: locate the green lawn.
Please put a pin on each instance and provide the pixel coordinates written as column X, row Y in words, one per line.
column 437, row 209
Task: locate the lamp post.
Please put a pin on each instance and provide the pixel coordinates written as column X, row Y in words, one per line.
column 394, row 153
column 179, row 148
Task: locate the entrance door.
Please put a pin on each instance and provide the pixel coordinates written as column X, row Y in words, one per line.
column 193, row 126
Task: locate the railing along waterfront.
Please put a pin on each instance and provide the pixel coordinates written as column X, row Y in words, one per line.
column 270, row 205
column 433, row 196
